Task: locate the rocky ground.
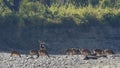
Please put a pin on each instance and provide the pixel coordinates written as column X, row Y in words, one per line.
column 58, row 61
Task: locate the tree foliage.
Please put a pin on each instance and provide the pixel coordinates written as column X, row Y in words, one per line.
column 13, row 5
column 55, row 10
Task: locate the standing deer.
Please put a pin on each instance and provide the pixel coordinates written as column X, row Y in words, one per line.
column 43, row 50
column 15, row 52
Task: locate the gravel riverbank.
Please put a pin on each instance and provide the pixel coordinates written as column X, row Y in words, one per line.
column 58, row 61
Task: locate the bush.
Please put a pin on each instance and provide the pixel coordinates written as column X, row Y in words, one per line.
column 32, row 9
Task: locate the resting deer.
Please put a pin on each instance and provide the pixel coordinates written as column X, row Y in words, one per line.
column 85, row 52
column 77, row 51
column 43, row 50
column 70, row 51
column 107, row 52
column 97, row 52
column 13, row 53
column 33, row 52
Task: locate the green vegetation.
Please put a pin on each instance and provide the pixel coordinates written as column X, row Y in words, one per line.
column 39, row 12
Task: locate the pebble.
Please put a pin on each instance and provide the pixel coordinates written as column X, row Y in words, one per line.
column 58, row 61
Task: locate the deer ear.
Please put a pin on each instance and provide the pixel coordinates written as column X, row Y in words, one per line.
column 39, row 41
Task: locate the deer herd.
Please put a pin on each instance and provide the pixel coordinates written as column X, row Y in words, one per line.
column 86, row 52
column 70, row 51
column 42, row 51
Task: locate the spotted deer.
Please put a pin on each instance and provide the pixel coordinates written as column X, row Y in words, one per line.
column 43, row 50
column 33, row 52
column 15, row 53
